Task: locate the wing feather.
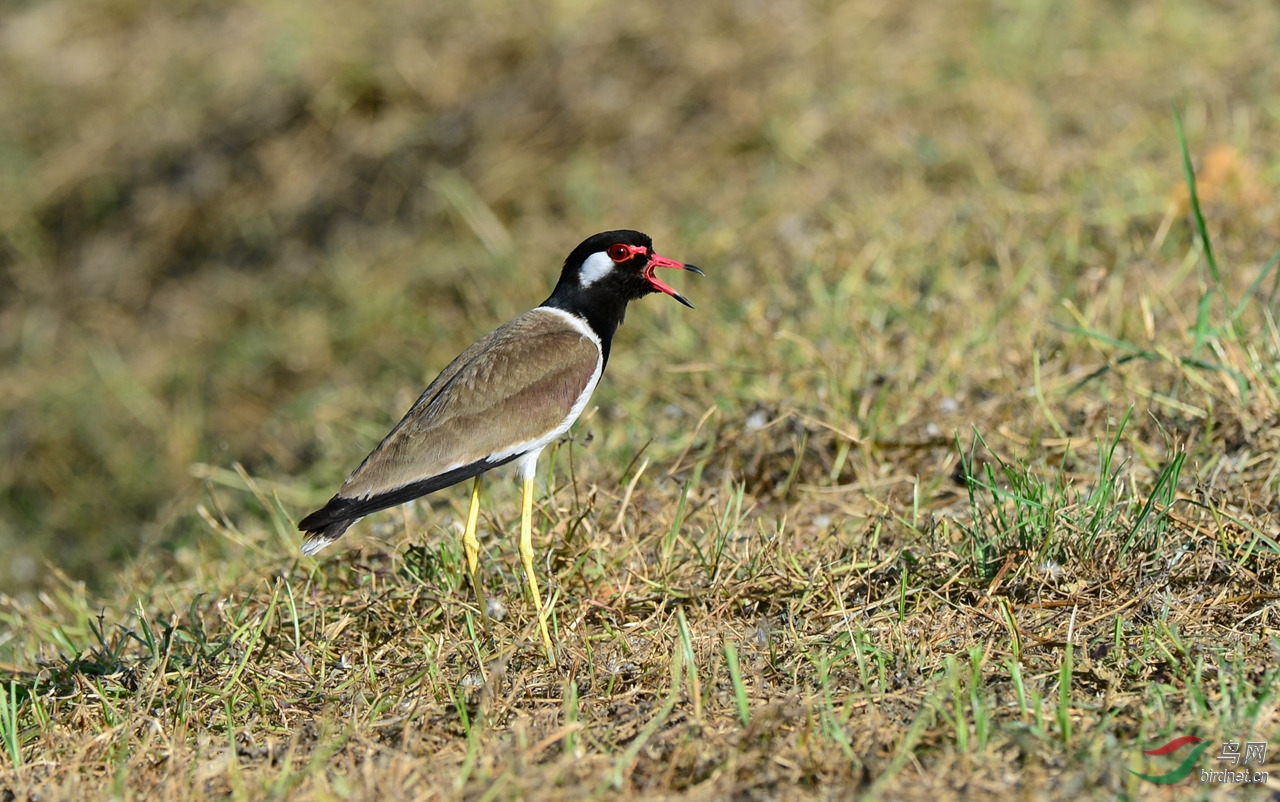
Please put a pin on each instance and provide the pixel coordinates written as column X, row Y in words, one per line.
column 514, row 386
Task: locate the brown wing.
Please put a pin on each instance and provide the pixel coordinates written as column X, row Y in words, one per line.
column 515, row 386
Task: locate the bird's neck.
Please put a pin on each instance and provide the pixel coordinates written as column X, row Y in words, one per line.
column 602, row 313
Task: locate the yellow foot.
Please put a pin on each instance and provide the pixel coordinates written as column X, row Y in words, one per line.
column 526, row 557
column 472, row 547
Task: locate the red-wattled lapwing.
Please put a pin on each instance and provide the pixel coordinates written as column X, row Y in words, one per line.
column 504, row 399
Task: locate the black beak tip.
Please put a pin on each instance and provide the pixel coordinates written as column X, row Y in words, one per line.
column 694, row 269
column 682, row 299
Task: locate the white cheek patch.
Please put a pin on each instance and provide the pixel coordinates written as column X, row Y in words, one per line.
column 596, row 267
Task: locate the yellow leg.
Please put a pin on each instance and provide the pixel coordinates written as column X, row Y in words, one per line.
column 472, row 547
column 526, row 555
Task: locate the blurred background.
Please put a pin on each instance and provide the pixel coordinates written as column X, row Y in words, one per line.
column 248, row 233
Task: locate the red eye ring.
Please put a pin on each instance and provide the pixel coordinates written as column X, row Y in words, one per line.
column 619, row 252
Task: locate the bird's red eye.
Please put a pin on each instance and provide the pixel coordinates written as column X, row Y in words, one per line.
column 619, row 252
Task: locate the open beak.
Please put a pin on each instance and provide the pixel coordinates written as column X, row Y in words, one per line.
column 661, row 261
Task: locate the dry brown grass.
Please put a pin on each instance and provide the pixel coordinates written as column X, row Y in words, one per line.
column 960, row 481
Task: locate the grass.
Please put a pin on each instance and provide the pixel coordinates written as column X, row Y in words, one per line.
column 959, row 482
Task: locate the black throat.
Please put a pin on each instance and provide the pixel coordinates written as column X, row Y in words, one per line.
column 602, row 302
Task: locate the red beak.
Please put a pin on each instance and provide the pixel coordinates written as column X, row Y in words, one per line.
column 661, row 261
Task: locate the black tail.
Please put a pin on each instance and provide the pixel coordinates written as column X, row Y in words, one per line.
column 314, row 541
column 326, row 525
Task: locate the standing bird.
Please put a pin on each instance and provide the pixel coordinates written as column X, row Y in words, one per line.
column 504, row 399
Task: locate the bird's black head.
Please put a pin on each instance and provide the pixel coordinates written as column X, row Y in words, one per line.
column 617, row 264
column 607, row 271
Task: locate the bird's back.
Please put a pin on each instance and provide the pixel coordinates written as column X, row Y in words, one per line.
column 509, row 393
